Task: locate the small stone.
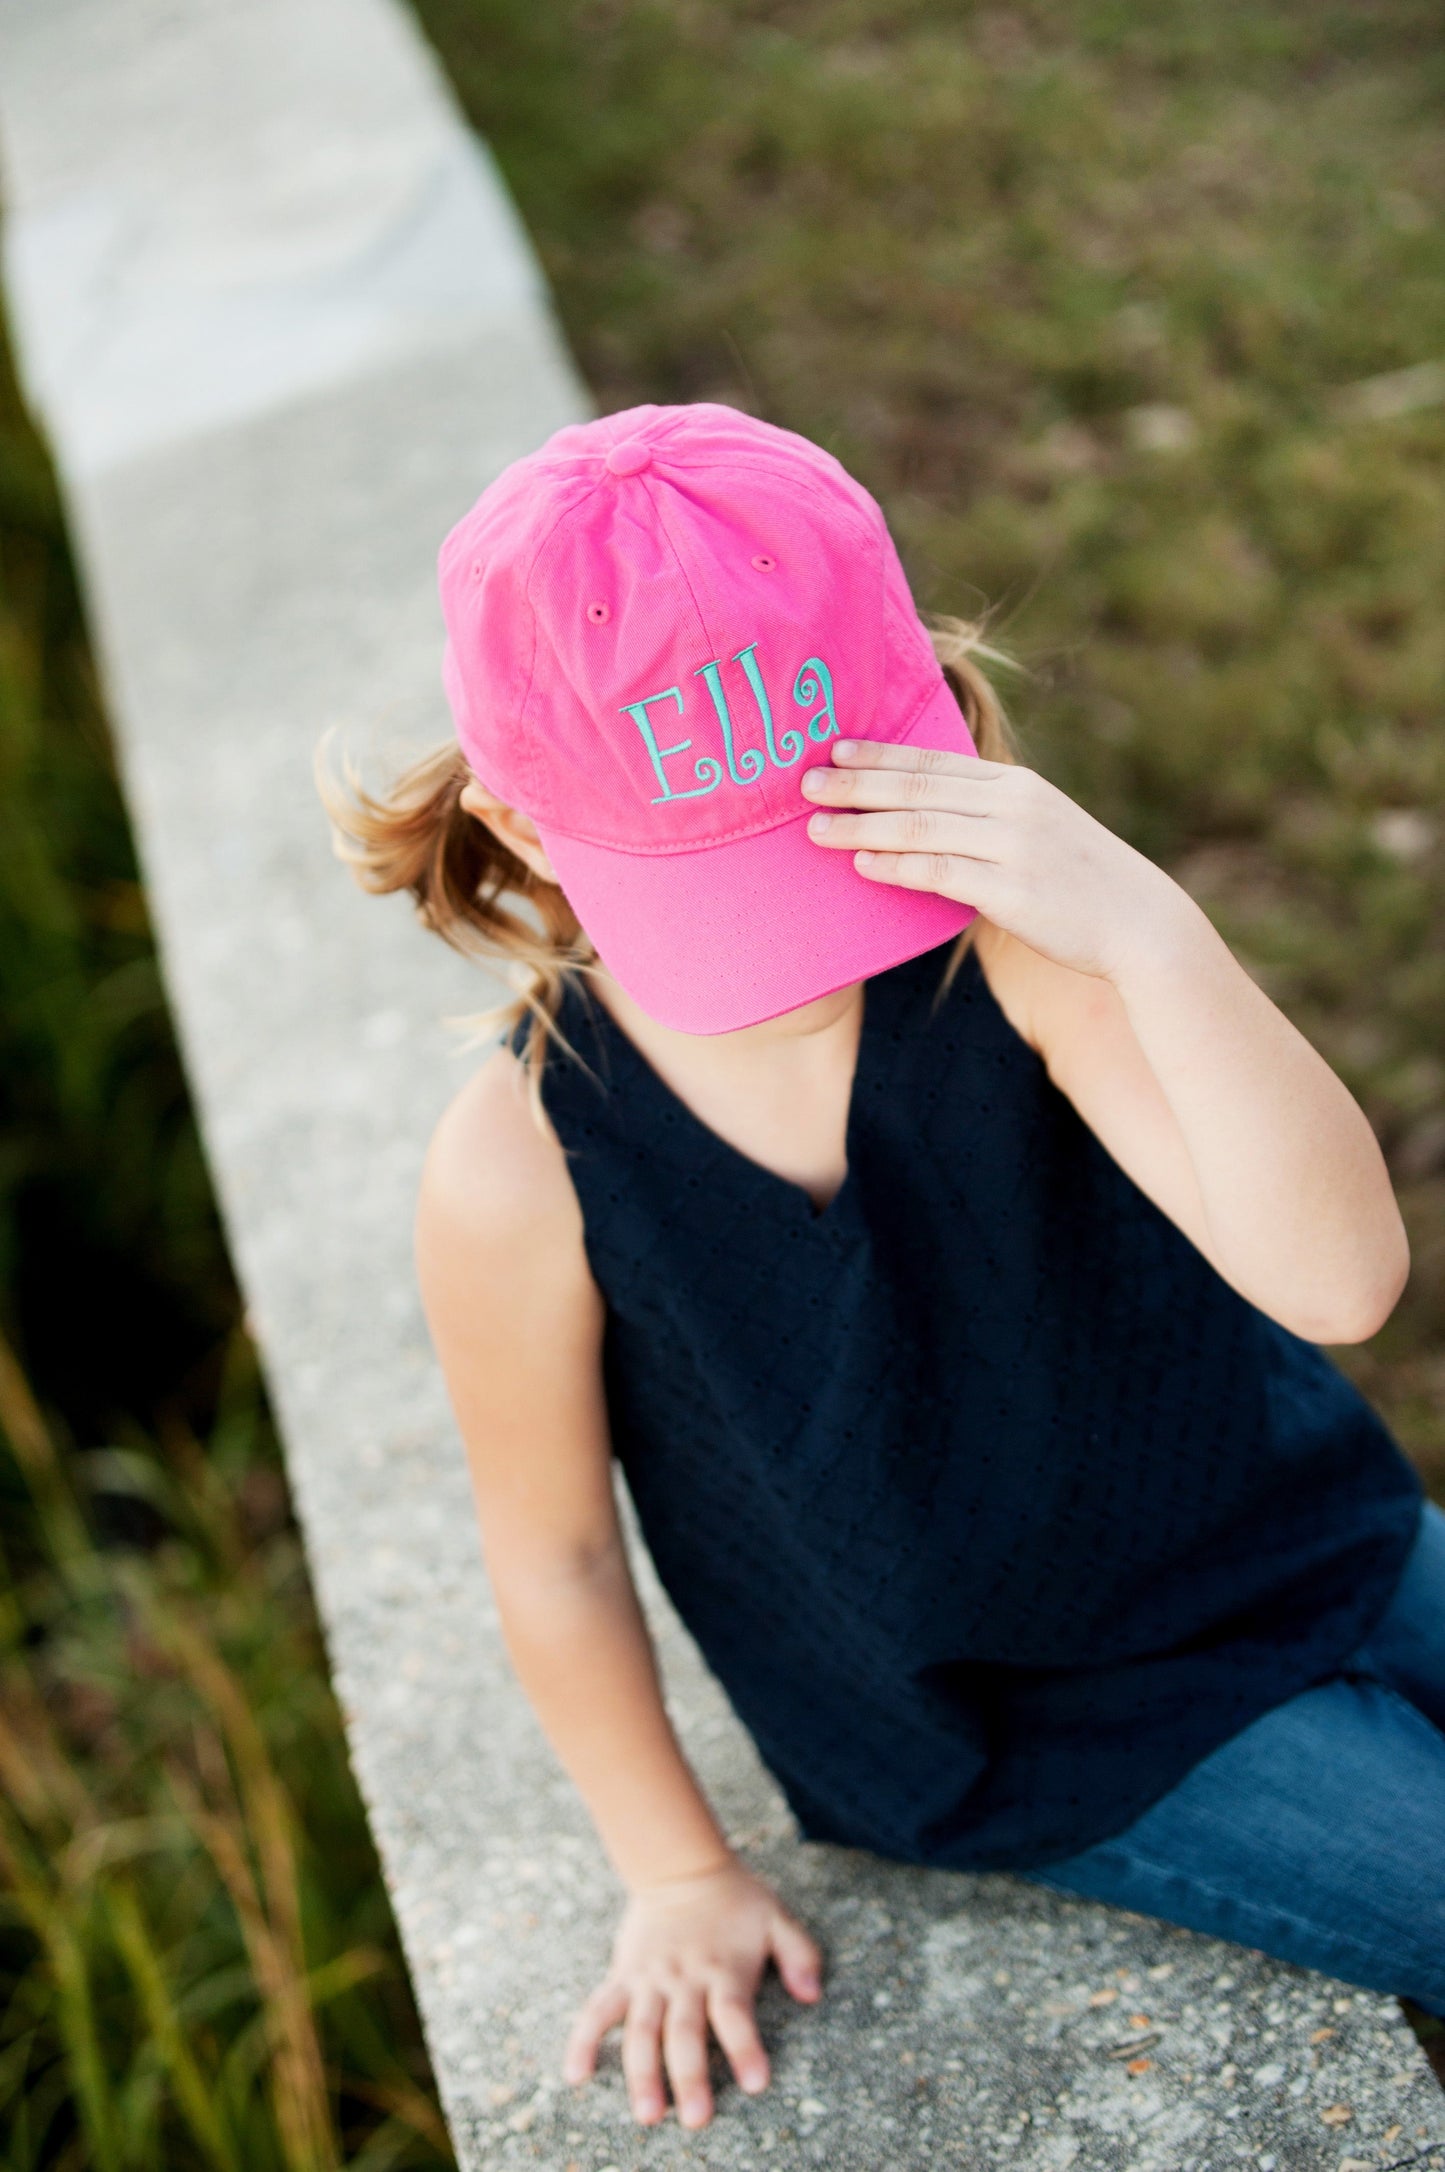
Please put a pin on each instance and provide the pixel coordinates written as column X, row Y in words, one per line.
column 1161, row 429
column 1403, row 833
column 1103, row 1998
column 1338, row 2115
column 810, row 2108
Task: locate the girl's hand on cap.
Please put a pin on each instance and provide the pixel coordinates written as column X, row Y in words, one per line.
column 996, row 836
column 689, row 1955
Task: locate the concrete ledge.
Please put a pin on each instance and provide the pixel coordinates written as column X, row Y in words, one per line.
column 283, row 325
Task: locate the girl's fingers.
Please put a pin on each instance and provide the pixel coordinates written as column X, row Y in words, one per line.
column 642, row 2056
column 860, row 754
column 736, row 2029
column 944, row 875
column 601, row 2012
column 684, row 2044
column 800, row 1963
column 951, row 780
column 908, row 829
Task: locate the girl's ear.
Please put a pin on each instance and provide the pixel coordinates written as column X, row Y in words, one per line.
column 515, row 830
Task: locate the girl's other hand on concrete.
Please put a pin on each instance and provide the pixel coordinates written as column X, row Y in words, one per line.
column 689, row 1955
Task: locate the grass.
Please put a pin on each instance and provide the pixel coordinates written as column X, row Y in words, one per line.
column 198, row 1966
column 1106, row 304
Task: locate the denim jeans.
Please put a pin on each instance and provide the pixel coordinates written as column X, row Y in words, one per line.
column 1318, row 1833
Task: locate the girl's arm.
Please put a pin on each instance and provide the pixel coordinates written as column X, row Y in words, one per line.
column 1200, row 1088
column 517, row 1322
column 1226, row 1116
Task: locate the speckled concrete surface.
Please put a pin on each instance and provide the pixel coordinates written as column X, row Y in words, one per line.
column 259, row 552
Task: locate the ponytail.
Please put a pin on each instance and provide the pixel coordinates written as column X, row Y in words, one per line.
column 417, row 836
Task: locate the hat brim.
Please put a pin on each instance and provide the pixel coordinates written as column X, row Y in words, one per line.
column 724, row 936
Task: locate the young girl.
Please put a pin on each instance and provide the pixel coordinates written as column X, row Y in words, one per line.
column 938, row 1226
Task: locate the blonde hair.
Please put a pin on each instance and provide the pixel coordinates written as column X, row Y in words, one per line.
column 416, row 836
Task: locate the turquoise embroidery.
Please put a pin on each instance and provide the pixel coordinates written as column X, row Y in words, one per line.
column 705, row 766
column 814, row 678
column 793, row 742
column 752, row 759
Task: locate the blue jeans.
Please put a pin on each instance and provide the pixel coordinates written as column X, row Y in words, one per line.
column 1318, row 1833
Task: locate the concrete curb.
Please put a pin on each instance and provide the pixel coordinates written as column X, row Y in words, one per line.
column 282, row 323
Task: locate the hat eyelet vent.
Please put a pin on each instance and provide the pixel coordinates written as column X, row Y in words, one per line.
column 765, row 564
column 598, row 613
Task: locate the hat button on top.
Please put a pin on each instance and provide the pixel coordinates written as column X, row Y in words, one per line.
column 630, row 456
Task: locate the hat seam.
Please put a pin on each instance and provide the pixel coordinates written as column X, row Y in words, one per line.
column 671, row 541
column 528, row 737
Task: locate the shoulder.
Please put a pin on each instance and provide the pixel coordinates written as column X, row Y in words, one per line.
column 1005, row 964
column 495, row 1197
column 1051, row 1007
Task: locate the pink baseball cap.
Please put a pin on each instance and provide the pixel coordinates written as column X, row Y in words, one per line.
column 655, row 623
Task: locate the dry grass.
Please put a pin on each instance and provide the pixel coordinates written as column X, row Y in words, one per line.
column 198, row 1966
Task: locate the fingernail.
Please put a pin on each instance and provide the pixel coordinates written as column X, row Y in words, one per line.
column 845, row 747
column 818, row 823
column 863, row 859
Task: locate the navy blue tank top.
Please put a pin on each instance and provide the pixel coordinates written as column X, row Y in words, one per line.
column 992, row 1506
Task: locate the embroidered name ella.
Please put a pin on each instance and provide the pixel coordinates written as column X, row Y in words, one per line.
column 814, row 680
